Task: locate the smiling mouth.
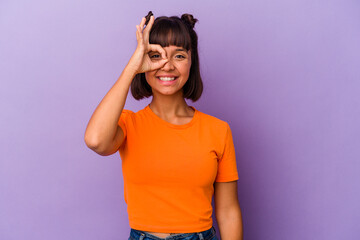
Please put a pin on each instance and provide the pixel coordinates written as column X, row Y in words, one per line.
column 167, row 79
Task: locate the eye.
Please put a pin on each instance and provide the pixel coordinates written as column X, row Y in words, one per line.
column 155, row 56
column 180, row 56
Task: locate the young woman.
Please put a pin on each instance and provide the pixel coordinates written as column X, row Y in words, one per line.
column 174, row 157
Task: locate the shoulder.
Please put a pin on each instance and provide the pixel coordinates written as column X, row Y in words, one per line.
column 212, row 119
column 214, row 122
column 132, row 113
column 127, row 115
column 133, row 116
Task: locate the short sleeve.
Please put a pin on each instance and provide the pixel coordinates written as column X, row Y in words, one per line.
column 227, row 169
column 123, row 120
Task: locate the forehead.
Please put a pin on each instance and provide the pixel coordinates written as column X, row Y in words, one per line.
column 174, row 48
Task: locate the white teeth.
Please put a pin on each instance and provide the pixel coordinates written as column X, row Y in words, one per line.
column 166, row 78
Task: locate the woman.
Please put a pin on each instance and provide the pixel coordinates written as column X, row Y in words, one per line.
column 174, row 157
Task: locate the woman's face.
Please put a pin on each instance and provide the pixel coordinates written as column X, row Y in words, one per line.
column 174, row 74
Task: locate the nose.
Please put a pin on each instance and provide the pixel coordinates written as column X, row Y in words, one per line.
column 168, row 66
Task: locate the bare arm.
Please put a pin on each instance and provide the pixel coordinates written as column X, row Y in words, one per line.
column 227, row 210
column 103, row 135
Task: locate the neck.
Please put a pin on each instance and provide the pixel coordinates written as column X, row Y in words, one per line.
column 170, row 106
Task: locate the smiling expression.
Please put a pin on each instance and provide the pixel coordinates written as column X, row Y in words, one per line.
column 174, row 74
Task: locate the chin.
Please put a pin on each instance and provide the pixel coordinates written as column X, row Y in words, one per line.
column 168, row 93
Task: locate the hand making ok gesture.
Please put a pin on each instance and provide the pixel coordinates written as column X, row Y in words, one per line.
column 140, row 61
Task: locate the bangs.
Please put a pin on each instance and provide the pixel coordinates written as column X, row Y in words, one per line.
column 170, row 31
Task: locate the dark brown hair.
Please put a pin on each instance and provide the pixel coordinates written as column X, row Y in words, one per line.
column 176, row 31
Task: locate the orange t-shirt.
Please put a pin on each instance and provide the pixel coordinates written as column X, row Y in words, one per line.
column 169, row 170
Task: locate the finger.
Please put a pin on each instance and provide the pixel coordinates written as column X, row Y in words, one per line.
column 159, row 64
column 158, row 48
column 143, row 20
column 139, row 33
column 149, row 25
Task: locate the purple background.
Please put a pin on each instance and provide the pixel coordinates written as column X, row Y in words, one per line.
column 284, row 74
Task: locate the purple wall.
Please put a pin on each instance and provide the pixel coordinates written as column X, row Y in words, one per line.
column 284, row 74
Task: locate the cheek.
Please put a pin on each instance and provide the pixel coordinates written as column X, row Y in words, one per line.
column 149, row 75
column 184, row 68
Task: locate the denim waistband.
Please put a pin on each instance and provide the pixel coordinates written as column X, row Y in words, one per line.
column 204, row 235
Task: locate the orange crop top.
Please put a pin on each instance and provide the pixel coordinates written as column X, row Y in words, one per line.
column 169, row 170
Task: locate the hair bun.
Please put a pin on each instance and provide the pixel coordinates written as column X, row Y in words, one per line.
column 189, row 19
column 147, row 17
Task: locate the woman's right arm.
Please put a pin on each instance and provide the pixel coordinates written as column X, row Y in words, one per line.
column 103, row 134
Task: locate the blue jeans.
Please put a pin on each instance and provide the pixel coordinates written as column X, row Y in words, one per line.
column 209, row 234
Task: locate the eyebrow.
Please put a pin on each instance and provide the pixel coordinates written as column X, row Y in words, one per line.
column 180, row 49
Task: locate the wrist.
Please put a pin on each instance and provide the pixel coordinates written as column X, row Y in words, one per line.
column 129, row 70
